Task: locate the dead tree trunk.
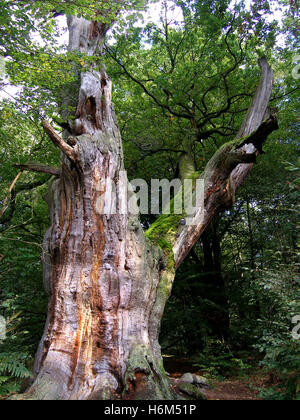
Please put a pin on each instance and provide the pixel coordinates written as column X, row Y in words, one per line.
column 108, row 282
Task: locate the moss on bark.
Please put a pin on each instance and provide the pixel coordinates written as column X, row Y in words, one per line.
column 144, row 379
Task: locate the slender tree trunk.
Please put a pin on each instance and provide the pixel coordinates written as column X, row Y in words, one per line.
column 107, row 281
column 214, row 280
column 251, row 239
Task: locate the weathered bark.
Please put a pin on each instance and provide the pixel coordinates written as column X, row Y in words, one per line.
column 106, row 285
column 107, row 281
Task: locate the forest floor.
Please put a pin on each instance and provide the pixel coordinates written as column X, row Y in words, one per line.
column 235, row 388
column 238, row 389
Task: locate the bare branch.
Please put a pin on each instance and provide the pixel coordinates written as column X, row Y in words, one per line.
column 254, row 118
column 14, row 192
column 59, row 142
column 38, row 167
column 3, row 208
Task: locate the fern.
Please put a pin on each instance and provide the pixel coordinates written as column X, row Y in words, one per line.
column 13, row 368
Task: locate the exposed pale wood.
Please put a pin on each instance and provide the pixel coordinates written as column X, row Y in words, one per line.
column 255, row 115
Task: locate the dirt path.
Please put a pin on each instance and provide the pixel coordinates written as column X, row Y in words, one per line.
column 233, row 389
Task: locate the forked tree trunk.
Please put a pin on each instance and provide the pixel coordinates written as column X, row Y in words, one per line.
column 108, row 282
